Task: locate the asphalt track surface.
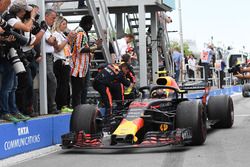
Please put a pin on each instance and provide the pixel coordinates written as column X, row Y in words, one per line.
column 223, row 147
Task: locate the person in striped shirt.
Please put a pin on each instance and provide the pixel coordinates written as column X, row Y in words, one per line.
column 81, row 57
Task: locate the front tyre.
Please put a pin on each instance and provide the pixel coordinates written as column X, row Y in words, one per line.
column 83, row 118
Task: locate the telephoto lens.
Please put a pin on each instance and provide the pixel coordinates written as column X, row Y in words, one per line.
column 4, row 25
column 16, row 62
column 22, row 40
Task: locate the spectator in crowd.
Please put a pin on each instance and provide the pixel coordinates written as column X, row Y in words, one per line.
column 81, row 61
column 61, row 63
column 192, row 66
column 123, row 45
column 17, row 11
column 220, row 66
column 177, row 59
column 222, row 73
column 133, row 55
column 50, row 47
column 25, row 93
column 186, row 57
column 205, row 59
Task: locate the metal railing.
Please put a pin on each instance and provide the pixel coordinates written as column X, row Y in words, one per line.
column 196, row 78
column 215, row 75
column 111, row 32
column 98, row 27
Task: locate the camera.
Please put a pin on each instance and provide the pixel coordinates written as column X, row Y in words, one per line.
column 235, row 69
column 9, row 31
column 18, row 62
column 28, row 16
column 36, row 27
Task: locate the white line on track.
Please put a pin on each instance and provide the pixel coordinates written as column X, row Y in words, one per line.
column 236, row 94
column 242, row 115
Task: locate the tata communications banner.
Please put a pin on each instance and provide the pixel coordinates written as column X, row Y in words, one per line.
column 170, row 3
column 25, row 136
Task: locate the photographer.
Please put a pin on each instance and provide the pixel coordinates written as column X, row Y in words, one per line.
column 3, row 6
column 242, row 73
column 9, row 110
column 31, row 54
column 10, row 63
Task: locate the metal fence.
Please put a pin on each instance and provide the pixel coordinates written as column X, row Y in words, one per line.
column 214, row 77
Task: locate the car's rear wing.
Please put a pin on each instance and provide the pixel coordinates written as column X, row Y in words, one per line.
column 197, row 86
column 194, row 85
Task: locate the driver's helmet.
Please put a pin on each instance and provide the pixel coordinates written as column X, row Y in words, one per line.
column 159, row 93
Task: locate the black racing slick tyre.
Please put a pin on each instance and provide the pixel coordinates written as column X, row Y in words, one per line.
column 190, row 114
column 83, row 118
column 221, row 109
column 246, row 90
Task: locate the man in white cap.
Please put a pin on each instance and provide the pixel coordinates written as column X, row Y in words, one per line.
column 205, row 60
column 16, row 13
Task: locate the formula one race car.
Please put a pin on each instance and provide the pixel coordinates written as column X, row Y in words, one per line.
column 161, row 116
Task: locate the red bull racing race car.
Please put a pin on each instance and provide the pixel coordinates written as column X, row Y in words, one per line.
column 161, row 116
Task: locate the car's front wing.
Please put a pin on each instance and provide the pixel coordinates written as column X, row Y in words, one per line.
column 179, row 137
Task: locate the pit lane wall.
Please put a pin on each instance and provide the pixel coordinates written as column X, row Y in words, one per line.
column 31, row 135
column 43, row 132
column 216, row 92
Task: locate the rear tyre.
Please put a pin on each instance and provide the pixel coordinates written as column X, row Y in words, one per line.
column 246, row 90
column 221, row 109
column 191, row 114
column 83, row 118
